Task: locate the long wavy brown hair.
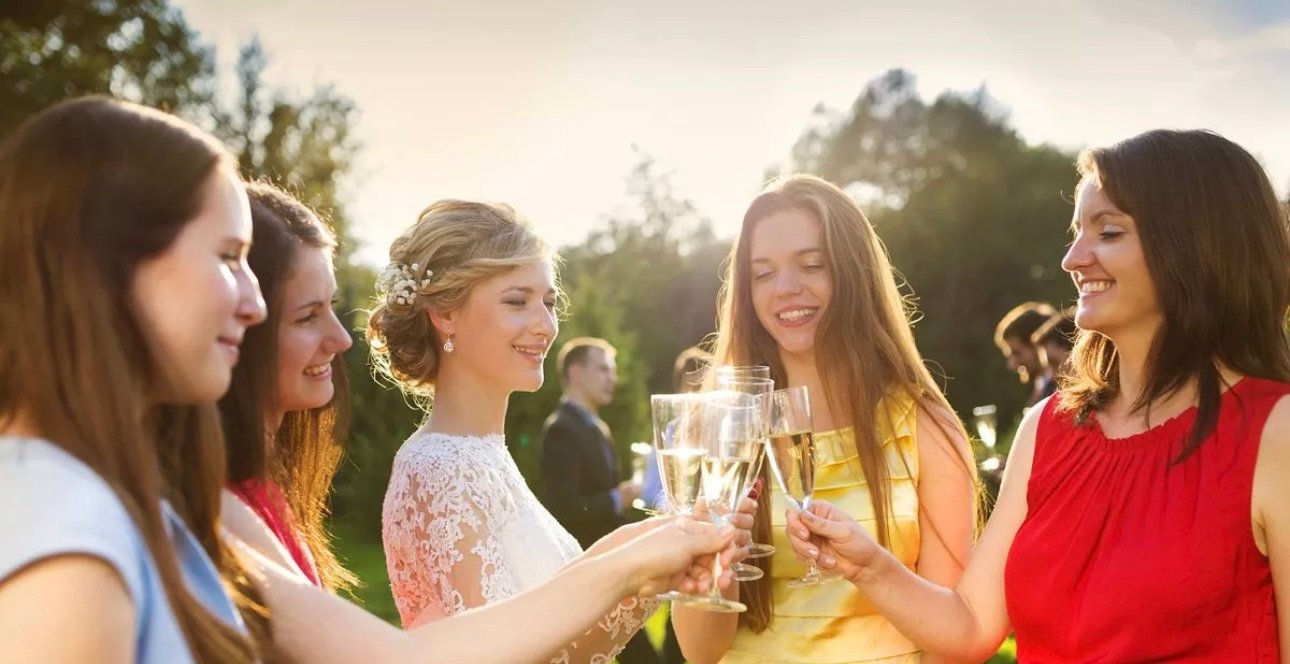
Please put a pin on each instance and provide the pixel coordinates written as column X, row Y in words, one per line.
column 1215, row 242
column 303, row 455
column 89, row 189
column 864, row 346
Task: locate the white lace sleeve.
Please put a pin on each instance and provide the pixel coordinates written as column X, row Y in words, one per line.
column 442, row 554
column 602, row 643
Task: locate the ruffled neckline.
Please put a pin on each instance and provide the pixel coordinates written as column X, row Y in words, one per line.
column 1167, row 431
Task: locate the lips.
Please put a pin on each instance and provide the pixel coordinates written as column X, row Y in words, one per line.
column 532, row 353
column 318, row 370
column 1091, row 287
column 231, row 344
column 796, row 316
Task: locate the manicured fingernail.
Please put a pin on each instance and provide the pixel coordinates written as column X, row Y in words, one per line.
column 801, row 533
column 814, row 553
column 828, row 561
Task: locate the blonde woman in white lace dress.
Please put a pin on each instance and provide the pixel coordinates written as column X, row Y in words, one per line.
column 468, row 314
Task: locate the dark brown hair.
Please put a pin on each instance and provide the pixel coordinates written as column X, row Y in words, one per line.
column 1215, row 242
column 578, row 351
column 89, row 189
column 864, row 342
column 302, row 456
column 1021, row 322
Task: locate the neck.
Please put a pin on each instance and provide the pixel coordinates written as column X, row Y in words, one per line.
column 466, row 404
column 802, row 370
column 581, row 401
column 273, row 422
column 19, row 424
column 1132, row 352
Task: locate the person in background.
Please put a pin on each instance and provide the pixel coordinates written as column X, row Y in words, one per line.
column 1013, row 337
column 1054, row 340
column 579, row 462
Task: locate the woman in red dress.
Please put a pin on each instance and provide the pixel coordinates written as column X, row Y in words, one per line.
column 1145, row 515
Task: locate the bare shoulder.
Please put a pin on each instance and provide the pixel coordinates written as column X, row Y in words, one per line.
column 1271, row 495
column 940, row 435
column 36, row 614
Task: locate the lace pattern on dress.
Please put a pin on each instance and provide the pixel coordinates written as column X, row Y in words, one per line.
column 462, row 529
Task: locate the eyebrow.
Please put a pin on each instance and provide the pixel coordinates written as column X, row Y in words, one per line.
column 527, row 290
column 1097, row 216
column 799, row 252
column 312, row 304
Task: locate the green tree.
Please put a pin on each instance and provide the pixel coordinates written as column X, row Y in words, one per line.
column 974, row 217
column 142, row 50
column 647, row 283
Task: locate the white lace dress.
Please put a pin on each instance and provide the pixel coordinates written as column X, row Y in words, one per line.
column 462, row 529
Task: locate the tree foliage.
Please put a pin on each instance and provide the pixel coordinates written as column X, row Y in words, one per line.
column 975, row 218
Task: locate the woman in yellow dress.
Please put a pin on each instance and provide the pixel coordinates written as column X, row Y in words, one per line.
column 810, row 292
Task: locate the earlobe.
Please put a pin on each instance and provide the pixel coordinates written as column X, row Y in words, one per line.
column 441, row 322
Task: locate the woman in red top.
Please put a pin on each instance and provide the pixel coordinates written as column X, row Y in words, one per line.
column 284, row 416
column 1145, row 515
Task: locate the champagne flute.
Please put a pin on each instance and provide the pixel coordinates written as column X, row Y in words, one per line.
column 760, row 389
column 677, row 420
column 732, row 436
column 751, row 371
column 985, row 423
column 792, row 454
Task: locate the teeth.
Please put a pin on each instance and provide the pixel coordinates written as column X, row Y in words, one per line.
column 317, row 370
column 795, row 315
column 1094, row 286
column 535, row 352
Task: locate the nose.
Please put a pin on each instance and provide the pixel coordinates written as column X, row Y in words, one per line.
column 546, row 325
column 250, row 302
column 338, row 338
column 788, row 282
column 1078, row 256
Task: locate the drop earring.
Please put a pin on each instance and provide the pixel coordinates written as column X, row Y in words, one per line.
column 448, row 346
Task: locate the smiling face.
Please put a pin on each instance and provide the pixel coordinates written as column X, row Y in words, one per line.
column 196, row 299
column 1116, row 293
column 310, row 335
column 791, row 285
column 503, row 331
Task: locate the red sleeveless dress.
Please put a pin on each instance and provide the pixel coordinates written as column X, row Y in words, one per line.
column 1124, row 557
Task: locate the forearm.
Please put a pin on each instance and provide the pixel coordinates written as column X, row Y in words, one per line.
column 611, row 632
column 937, row 619
column 705, row 636
column 311, row 625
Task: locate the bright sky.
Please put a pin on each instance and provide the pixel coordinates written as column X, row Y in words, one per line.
column 543, row 104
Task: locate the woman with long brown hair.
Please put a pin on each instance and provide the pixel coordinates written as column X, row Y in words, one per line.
column 1145, row 513
column 285, row 415
column 112, row 216
column 809, row 292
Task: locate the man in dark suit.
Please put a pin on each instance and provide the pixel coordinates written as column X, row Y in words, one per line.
column 579, row 464
column 1013, row 337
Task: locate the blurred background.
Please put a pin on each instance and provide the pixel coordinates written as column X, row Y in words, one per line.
column 632, row 134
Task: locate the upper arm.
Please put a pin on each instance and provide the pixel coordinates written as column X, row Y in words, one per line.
column 38, row 623
column 240, row 520
column 982, row 585
column 442, row 551
column 946, row 495
column 1271, row 506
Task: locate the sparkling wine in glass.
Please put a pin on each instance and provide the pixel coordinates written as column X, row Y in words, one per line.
column 732, row 438
column 679, row 444
column 791, row 451
column 759, row 389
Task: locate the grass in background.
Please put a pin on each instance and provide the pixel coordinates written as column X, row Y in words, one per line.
column 365, row 557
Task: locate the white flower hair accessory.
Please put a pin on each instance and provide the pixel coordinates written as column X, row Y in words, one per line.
column 401, row 283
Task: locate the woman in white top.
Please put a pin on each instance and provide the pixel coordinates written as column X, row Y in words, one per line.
column 466, row 316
